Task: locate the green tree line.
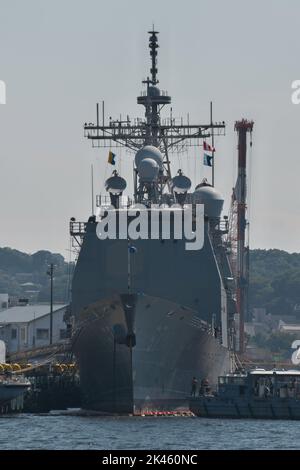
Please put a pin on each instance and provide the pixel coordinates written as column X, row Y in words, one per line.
column 275, row 281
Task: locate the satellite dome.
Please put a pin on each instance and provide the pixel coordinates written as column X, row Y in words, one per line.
column 180, row 183
column 115, row 184
column 154, row 91
column 148, row 170
column 149, row 151
column 211, row 198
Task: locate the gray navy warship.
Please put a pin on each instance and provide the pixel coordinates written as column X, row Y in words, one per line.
column 148, row 314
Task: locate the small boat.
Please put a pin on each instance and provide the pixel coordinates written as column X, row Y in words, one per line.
column 12, row 389
column 258, row 394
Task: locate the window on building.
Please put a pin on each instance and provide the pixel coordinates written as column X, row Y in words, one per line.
column 42, row 333
column 13, row 333
column 23, row 334
column 62, row 334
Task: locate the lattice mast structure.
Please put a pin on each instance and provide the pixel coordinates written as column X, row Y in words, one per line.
column 167, row 134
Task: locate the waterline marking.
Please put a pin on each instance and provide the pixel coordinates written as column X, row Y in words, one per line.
column 158, row 222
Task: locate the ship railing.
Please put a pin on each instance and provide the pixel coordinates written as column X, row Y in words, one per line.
column 219, row 226
column 105, row 201
column 223, row 226
column 77, row 229
column 162, row 93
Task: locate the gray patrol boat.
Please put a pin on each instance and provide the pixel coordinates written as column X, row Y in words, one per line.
column 258, row 394
column 148, row 314
column 12, row 388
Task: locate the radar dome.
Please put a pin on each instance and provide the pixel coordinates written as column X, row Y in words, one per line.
column 149, row 151
column 148, row 170
column 154, row 91
column 211, row 198
column 180, row 183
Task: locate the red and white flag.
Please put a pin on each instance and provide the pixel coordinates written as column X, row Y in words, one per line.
column 208, row 147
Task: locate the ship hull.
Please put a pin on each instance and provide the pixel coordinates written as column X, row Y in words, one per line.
column 143, row 356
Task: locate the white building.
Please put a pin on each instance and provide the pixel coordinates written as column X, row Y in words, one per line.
column 289, row 328
column 26, row 327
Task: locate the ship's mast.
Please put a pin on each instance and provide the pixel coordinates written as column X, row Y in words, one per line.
column 154, row 99
column 166, row 134
column 153, row 44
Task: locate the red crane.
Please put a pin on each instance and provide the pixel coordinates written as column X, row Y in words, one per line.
column 239, row 252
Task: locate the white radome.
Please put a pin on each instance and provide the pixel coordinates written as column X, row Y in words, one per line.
column 211, row 198
column 148, row 170
column 149, row 151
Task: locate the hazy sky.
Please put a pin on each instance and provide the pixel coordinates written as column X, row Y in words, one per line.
column 58, row 58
